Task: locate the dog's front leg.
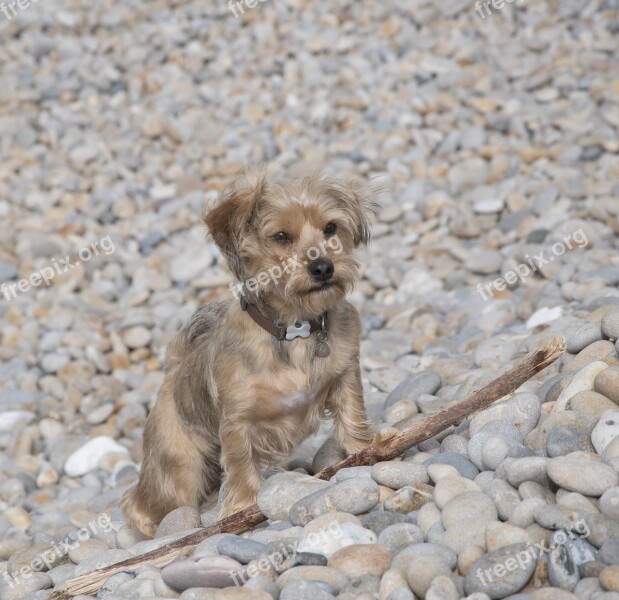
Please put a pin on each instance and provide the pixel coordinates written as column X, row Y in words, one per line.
column 345, row 401
column 241, row 466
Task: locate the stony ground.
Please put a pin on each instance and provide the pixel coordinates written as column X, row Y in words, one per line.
column 498, row 139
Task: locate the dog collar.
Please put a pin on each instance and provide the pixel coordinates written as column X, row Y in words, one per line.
column 281, row 331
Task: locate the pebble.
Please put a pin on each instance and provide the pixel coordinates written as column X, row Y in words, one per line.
column 609, row 552
column 530, row 468
column 578, row 474
column 564, row 559
column 425, row 382
column 609, row 503
column 582, row 381
column 582, row 336
column 607, row 383
column 354, row 496
column 396, row 475
column 409, row 498
column 360, row 559
column 397, row 537
column 332, row 577
column 225, row 594
column 331, row 532
column 464, row 466
column 609, row 578
column 377, row 520
column 522, row 411
column 610, row 324
column 450, row 487
column 282, row 490
column 469, row 505
column 180, row 519
column 562, row 441
column 241, row 549
column 208, row 571
column 499, row 573
column 591, row 402
column 100, row 560
column 502, row 534
column 306, row 590
column 421, row 563
column 18, row 588
column 87, row 457
column 606, row 430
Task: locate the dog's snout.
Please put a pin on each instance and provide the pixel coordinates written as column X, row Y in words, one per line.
column 321, row 269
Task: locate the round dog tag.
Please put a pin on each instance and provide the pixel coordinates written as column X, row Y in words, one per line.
column 322, row 348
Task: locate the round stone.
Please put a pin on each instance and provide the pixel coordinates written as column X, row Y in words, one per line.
column 502, row 572
column 606, row 430
column 607, row 383
column 609, row 578
column 361, row 559
column 397, row 537
column 469, row 505
column 583, row 475
column 208, row 571
column 397, row 474
column 609, row 503
column 610, row 325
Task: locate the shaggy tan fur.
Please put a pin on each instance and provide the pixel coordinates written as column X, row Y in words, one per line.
column 235, row 399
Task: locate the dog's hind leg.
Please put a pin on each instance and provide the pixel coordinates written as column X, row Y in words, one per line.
column 179, row 468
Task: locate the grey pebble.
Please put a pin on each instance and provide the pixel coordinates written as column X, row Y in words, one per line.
column 609, row 552
column 354, row 496
column 462, row 464
column 306, row 590
column 209, row 571
column 397, row 475
column 242, row 549
column 397, row 537
column 511, row 581
column 425, row 382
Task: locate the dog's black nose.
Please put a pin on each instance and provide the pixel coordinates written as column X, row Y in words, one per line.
column 321, row 269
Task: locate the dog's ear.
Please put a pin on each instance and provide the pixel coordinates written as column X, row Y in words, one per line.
column 229, row 221
column 358, row 200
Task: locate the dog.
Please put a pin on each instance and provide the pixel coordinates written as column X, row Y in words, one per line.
column 246, row 380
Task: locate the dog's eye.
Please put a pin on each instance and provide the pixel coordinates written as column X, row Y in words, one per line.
column 330, row 228
column 281, row 237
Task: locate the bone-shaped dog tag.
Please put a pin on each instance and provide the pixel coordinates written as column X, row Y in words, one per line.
column 299, row 329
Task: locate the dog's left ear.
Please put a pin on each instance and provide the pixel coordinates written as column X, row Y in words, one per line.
column 228, row 221
column 358, row 200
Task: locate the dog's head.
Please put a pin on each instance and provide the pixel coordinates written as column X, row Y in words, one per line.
column 291, row 244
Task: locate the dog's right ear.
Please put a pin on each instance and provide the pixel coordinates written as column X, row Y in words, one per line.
column 228, row 221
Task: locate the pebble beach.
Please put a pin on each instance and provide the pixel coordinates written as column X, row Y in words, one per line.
column 493, row 134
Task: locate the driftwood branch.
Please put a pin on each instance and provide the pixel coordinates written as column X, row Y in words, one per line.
column 385, row 450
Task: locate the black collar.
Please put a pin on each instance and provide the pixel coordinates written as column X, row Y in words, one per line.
column 281, row 331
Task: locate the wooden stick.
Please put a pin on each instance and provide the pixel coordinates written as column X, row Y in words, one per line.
column 385, row 450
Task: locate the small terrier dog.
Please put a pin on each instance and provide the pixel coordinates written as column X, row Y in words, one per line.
column 247, row 381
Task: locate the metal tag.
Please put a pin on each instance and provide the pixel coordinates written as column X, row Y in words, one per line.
column 299, row 329
column 322, row 349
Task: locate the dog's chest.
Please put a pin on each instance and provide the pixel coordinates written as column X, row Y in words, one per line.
column 296, row 401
